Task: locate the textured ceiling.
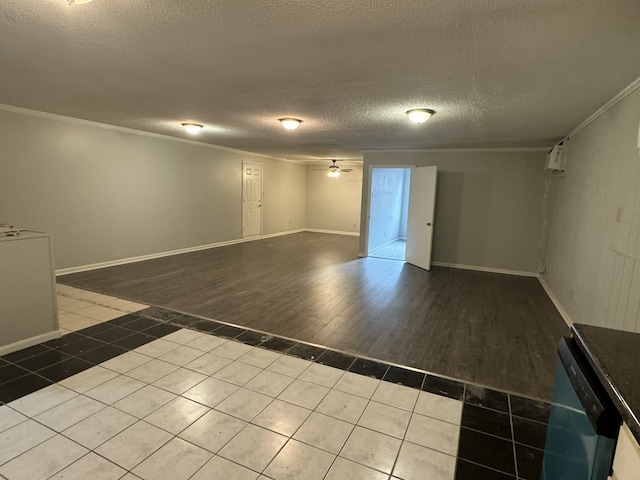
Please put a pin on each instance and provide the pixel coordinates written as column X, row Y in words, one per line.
column 499, row 73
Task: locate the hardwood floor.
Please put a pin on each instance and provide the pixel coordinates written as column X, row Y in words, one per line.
column 495, row 330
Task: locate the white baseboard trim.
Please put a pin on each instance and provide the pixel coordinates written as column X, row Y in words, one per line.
column 151, row 256
column 563, row 313
column 334, row 232
column 272, row 235
column 29, row 342
column 485, row 269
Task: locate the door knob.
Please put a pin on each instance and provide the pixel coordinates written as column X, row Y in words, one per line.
column 429, row 224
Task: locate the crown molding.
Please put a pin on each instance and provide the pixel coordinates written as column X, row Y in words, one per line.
column 133, row 131
column 445, row 150
column 607, row 106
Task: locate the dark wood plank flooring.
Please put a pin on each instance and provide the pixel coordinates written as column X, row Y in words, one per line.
column 495, row 330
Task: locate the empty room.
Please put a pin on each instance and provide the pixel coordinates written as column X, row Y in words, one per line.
column 319, row 240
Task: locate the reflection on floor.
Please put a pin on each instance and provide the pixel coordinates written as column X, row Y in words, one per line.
column 391, row 251
column 160, row 395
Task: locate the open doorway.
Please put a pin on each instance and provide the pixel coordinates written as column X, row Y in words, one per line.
column 388, row 212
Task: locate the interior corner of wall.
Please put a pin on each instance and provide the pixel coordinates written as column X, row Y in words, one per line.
column 561, row 310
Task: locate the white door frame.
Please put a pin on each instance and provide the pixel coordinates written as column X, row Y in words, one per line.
column 367, row 218
column 246, row 163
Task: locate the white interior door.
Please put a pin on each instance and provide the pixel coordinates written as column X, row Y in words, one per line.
column 251, row 199
column 422, row 203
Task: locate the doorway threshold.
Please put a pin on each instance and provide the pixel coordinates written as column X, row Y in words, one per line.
column 391, row 251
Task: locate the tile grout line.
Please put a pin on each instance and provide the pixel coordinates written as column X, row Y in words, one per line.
column 273, row 398
column 513, row 438
column 369, row 400
column 344, row 370
column 291, row 436
column 312, row 411
column 174, row 436
column 404, row 436
column 298, row 377
column 464, row 397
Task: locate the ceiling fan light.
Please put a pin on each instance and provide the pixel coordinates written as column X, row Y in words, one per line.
column 290, row 123
column 192, row 128
column 420, row 115
column 334, row 170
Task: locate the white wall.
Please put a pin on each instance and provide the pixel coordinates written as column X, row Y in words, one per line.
column 406, row 189
column 386, row 206
column 592, row 257
column 333, row 203
column 488, row 205
column 105, row 194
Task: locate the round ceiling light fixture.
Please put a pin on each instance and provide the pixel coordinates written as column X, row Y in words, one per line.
column 192, row 128
column 420, row 115
column 290, row 123
column 78, row 2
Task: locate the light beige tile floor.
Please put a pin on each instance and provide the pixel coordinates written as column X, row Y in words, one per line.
column 78, row 309
column 194, row 406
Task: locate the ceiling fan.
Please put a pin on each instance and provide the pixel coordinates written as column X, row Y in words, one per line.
column 334, row 169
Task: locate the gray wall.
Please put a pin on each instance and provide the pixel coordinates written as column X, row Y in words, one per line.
column 333, row 203
column 386, row 206
column 106, row 194
column 488, row 205
column 284, row 196
column 592, row 257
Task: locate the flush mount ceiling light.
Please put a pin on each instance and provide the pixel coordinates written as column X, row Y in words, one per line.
column 78, row 2
column 420, row 115
column 334, row 170
column 192, row 128
column 290, row 123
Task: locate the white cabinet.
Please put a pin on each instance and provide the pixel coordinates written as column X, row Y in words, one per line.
column 28, row 310
column 626, row 463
